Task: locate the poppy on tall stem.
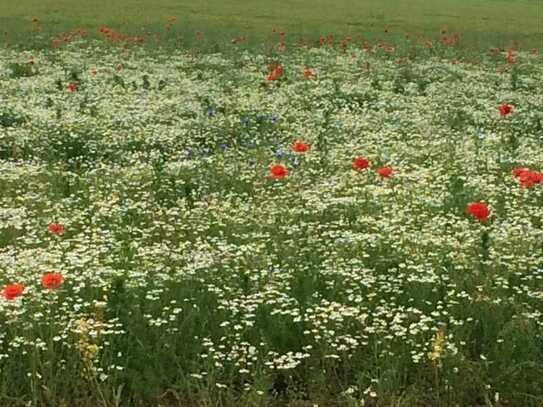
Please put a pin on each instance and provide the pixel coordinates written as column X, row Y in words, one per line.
column 505, row 109
column 12, row 291
column 479, row 210
column 51, row 280
column 385, row 172
column 300, row 147
column 275, row 74
column 56, row 229
column 278, row 171
column 360, row 163
column 527, row 178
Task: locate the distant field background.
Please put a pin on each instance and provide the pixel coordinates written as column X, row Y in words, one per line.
column 481, row 22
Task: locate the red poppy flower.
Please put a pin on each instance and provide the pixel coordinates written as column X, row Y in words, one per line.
column 360, row 163
column 56, row 229
column 527, row 179
column 276, row 73
column 307, row 73
column 505, row 109
column 278, row 171
column 52, row 280
column 510, row 58
column 12, row 291
column 72, row 87
column 517, row 172
column 478, row 210
column 385, row 172
column 300, row 147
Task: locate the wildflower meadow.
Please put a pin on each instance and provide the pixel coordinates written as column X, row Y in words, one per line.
column 336, row 223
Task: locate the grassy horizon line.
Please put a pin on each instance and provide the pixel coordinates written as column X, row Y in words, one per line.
column 480, row 22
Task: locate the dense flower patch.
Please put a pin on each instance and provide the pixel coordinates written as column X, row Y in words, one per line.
column 254, row 227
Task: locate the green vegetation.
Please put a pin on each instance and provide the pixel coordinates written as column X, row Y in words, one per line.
column 353, row 223
column 481, row 22
column 166, row 241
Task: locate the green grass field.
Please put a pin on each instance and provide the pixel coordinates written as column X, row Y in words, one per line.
column 484, row 22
